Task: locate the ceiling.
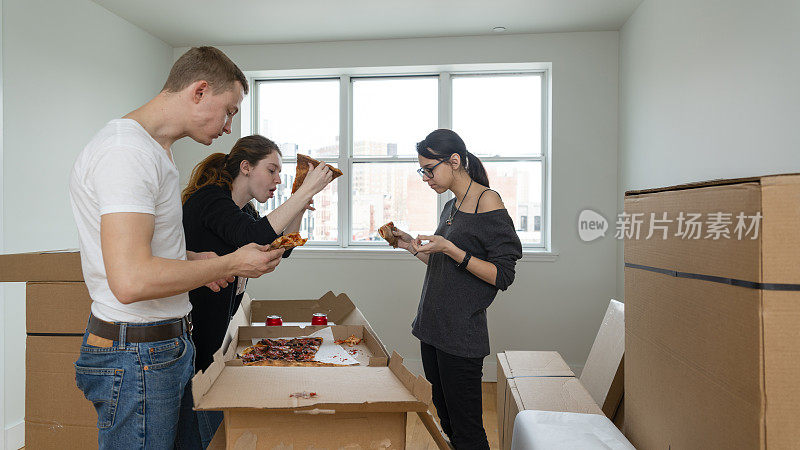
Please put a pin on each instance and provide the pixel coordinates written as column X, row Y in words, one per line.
column 231, row 22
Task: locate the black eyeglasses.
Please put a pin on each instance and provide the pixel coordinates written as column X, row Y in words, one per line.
column 428, row 172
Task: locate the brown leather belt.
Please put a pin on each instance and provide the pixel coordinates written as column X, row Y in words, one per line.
column 138, row 334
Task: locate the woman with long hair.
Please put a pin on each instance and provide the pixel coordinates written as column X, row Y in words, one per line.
column 470, row 257
column 218, row 217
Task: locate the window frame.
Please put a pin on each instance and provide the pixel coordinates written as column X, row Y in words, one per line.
column 346, row 159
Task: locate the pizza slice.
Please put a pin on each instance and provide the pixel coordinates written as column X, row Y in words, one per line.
column 350, row 341
column 302, row 170
column 386, row 233
column 287, row 241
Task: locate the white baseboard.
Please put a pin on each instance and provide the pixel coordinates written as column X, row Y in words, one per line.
column 15, row 436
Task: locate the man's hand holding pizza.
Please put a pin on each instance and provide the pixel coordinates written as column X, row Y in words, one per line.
column 254, row 260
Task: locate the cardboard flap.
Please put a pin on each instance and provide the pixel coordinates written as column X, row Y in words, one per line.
column 602, row 374
column 777, row 178
column 335, row 307
column 374, row 389
column 418, row 385
column 537, row 364
column 565, row 394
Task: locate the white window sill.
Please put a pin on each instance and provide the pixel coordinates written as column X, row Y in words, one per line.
column 390, row 253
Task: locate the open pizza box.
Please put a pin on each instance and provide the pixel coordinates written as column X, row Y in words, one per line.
column 362, row 405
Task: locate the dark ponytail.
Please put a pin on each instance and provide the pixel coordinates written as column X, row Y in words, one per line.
column 476, row 171
column 221, row 169
column 442, row 143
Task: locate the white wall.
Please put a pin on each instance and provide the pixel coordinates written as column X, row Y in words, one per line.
column 69, row 67
column 708, row 90
column 552, row 305
column 2, row 297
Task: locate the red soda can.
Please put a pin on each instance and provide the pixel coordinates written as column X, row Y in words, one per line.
column 274, row 321
column 319, row 319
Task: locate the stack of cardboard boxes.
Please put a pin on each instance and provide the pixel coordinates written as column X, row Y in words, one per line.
column 57, row 304
column 712, row 315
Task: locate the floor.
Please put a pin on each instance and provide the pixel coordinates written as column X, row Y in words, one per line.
column 417, row 437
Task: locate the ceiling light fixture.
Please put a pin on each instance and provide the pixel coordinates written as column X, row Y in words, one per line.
column 499, row 29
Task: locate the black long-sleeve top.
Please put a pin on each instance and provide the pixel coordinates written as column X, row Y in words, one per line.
column 212, row 222
column 452, row 309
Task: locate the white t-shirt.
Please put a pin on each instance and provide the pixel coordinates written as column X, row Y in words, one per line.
column 123, row 169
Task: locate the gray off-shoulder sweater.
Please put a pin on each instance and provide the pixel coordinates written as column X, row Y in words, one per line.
column 452, row 309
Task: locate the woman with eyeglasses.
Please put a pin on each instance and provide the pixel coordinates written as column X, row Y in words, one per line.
column 470, row 257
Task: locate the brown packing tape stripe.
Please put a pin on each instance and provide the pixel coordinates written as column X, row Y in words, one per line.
column 55, row 334
column 721, row 280
column 540, row 376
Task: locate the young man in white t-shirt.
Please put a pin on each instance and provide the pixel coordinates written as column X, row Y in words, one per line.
column 137, row 358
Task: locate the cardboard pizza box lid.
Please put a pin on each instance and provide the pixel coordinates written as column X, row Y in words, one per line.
column 50, row 265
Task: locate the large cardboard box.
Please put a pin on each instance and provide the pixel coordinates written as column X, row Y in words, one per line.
column 57, row 415
column 362, row 406
column 712, row 347
column 359, row 407
column 55, row 265
column 57, row 307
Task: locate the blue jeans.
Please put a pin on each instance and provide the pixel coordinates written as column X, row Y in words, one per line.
column 209, row 422
column 139, row 390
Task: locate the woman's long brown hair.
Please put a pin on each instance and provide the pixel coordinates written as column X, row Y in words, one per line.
column 221, row 169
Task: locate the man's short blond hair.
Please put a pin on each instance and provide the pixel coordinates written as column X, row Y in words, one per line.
column 208, row 64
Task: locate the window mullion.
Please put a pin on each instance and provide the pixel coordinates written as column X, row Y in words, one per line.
column 345, row 153
column 445, row 121
column 546, row 151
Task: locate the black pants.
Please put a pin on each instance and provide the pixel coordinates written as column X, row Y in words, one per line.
column 456, row 385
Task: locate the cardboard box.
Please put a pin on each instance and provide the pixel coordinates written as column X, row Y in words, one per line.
column 353, row 406
column 56, row 412
column 711, row 341
column 602, row 374
column 56, row 265
column 57, row 307
column 521, row 364
column 363, row 405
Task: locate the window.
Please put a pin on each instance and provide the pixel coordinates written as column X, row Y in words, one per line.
column 368, row 125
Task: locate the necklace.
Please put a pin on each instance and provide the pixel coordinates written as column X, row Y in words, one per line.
column 453, row 211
